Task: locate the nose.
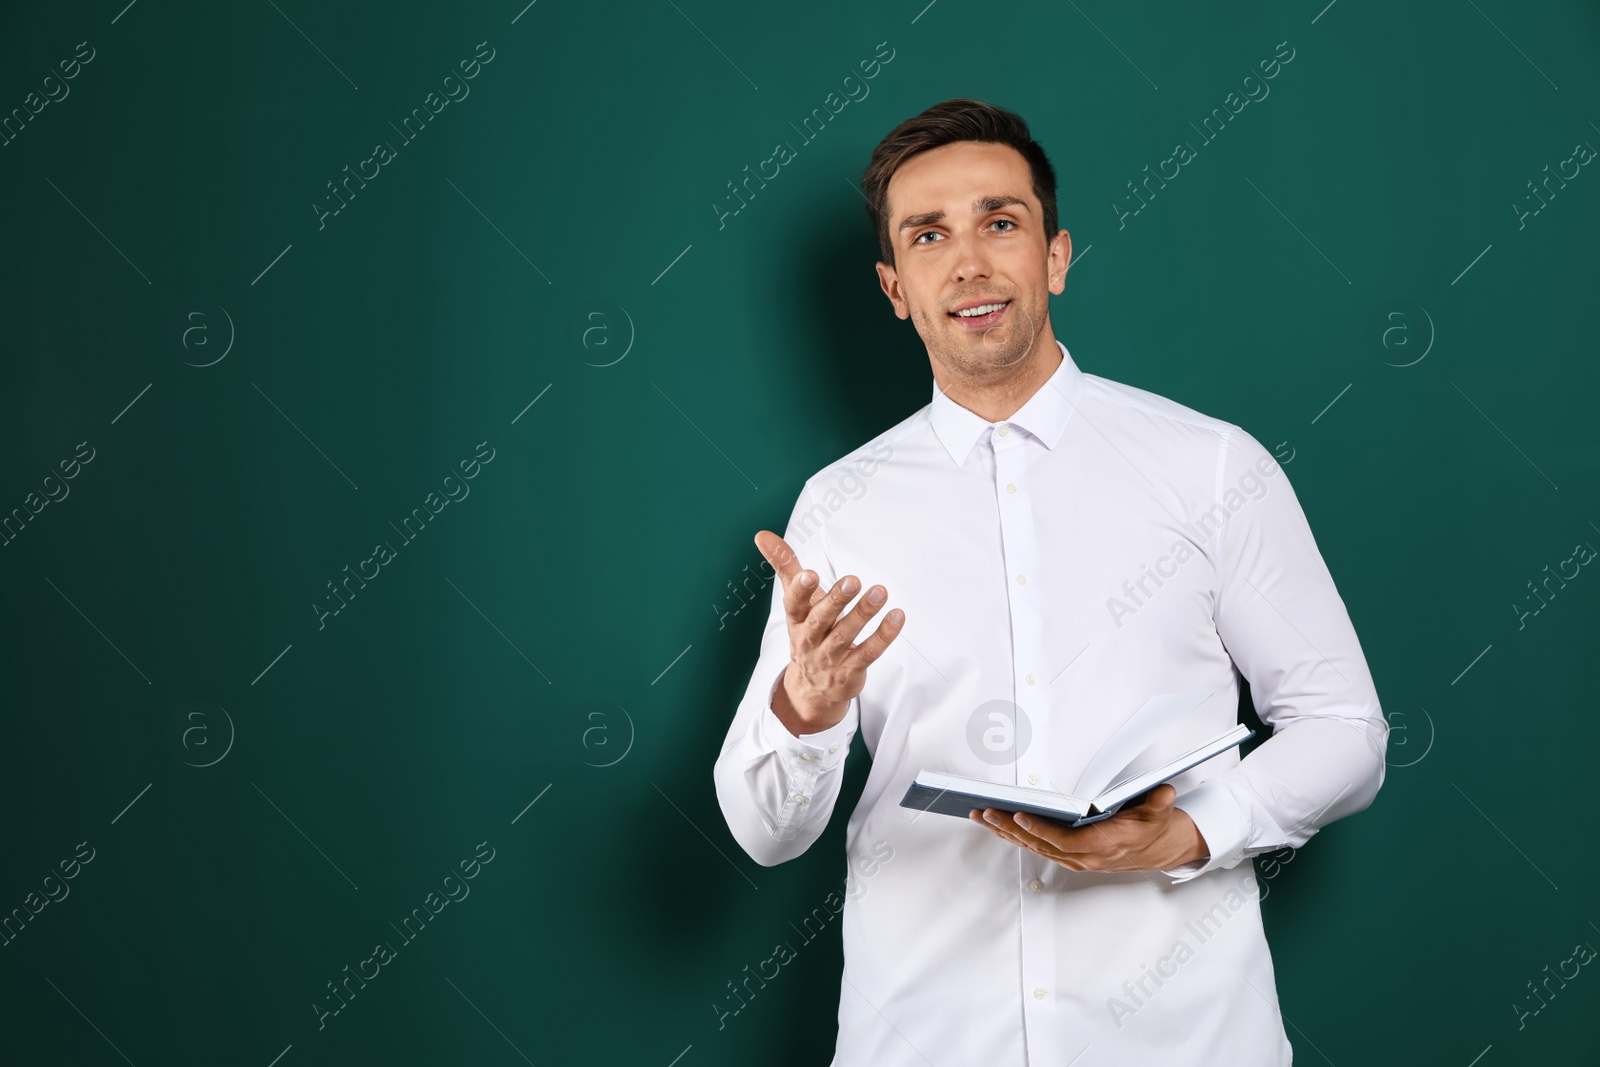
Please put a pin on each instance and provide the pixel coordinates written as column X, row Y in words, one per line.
column 968, row 261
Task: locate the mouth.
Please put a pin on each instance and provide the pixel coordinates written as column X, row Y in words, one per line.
column 980, row 316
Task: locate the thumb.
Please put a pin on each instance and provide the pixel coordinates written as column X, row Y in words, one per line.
column 1159, row 799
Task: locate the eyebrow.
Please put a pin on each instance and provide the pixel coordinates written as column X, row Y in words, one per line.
column 981, row 206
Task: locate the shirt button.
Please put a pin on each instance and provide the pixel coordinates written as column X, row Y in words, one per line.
column 801, row 797
column 808, row 755
column 834, row 747
column 1032, row 678
column 1033, row 779
column 1011, row 487
column 1038, row 992
column 1022, row 579
column 1004, row 429
column 1036, row 885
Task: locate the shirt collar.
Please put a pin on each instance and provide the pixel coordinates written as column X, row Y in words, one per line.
column 1044, row 415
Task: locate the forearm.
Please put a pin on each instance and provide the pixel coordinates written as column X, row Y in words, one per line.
column 776, row 789
column 1311, row 772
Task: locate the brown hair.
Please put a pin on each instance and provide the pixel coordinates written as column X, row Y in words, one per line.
column 951, row 121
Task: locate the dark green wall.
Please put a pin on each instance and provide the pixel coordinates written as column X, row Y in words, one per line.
column 568, row 612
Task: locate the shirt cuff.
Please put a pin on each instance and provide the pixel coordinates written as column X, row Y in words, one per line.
column 1220, row 821
column 809, row 754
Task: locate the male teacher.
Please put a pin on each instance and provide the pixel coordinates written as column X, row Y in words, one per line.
column 1059, row 548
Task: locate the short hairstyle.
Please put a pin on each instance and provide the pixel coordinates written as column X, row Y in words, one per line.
column 946, row 123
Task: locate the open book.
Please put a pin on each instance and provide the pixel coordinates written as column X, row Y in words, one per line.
column 954, row 794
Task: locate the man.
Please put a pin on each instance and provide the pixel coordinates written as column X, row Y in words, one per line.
column 1062, row 548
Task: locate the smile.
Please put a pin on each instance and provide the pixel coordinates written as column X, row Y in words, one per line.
column 982, row 315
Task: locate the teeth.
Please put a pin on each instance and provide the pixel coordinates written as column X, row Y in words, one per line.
column 980, row 310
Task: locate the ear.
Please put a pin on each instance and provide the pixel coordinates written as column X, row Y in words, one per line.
column 889, row 281
column 1058, row 259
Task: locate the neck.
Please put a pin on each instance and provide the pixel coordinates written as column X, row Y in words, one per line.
column 998, row 399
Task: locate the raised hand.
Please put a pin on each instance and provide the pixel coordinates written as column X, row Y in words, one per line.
column 826, row 670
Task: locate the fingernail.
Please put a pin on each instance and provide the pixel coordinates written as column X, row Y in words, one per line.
column 850, row 586
column 991, row 819
column 1024, row 822
column 876, row 596
column 808, row 579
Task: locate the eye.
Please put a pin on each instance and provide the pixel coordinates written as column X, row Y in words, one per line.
column 918, row 239
column 1007, row 222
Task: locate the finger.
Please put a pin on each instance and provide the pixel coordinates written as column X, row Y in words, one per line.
column 868, row 651
column 1154, row 803
column 844, row 631
column 825, row 612
column 778, row 553
column 1005, row 827
column 1045, row 835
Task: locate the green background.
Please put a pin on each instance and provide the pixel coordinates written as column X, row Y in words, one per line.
column 565, row 636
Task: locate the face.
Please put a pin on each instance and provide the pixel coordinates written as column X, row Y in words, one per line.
column 968, row 231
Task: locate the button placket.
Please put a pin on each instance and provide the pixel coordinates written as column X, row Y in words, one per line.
column 1027, row 604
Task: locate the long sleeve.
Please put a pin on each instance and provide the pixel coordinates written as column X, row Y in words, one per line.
column 1289, row 633
column 776, row 790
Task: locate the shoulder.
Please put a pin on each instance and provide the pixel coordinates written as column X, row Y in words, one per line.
column 1141, row 405
column 865, row 459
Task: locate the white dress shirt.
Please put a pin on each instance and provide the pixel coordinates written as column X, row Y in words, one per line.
column 1100, row 547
